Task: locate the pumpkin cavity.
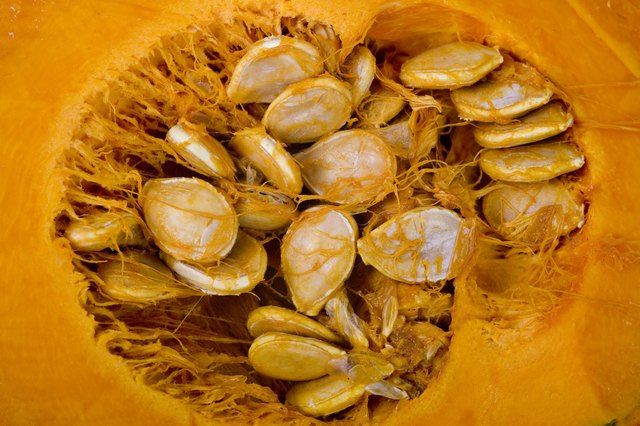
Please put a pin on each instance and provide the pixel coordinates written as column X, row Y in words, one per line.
column 309, row 192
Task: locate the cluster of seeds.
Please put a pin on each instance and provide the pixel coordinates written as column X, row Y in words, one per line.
column 341, row 172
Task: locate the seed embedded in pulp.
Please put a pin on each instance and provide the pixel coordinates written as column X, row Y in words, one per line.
column 318, row 252
column 412, row 137
column 141, row 279
column 270, row 157
column 269, row 66
column 499, row 102
column 542, row 123
column 275, row 318
column 348, row 167
column 99, row 231
column 359, row 71
column 189, row 219
column 200, row 150
column 531, row 163
column 450, row 66
column 398, row 137
column 533, row 212
column 325, row 396
column 426, row 244
column 308, row 110
column 380, row 107
column 363, row 367
column 239, row 272
column 290, row 357
column 264, row 211
column 345, row 321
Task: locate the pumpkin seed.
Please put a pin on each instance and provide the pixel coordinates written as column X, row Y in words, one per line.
column 533, row 212
column 317, row 254
column 189, row 218
column 274, row 318
column 348, row 167
column 140, row 278
column 380, row 107
column 98, row 231
column 387, row 390
column 411, row 138
column 334, row 393
column 200, row 151
column 359, row 71
column 363, row 367
column 329, row 45
column 450, row 66
column 325, row 396
column 345, row 321
column 542, row 123
column 238, row 273
column 269, row 156
column 269, row 66
column 413, row 298
column 290, row 357
column 390, row 311
column 264, row 211
column 398, row 137
column 423, row 335
column 423, row 244
column 499, row 101
column 531, row 163
column 308, row 110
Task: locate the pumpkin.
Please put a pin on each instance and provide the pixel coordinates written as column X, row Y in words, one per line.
column 581, row 366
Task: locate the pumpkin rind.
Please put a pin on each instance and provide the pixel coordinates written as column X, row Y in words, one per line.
column 52, row 371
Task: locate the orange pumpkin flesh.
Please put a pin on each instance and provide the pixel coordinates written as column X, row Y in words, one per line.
column 582, row 367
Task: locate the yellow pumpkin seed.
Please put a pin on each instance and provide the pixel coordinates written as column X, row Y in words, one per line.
column 412, row 137
column 317, row 254
column 531, row 163
column 380, row 107
column 359, row 71
column 398, row 137
column 387, row 390
column 425, row 337
column 140, row 278
column 412, row 298
column 533, row 212
column 345, row 321
column 423, row 244
column 450, row 66
column 348, row 167
column 499, row 101
column 329, row 45
column 98, row 231
column 200, row 151
column 542, row 123
column 390, row 311
column 363, row 367
column 290, row 357
column 238, row 273
column 308, row 110
column 264, row 211
column 269, row 66
column 274, row 318
column 325, row 396
column 270, row 157
column 189, row 219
